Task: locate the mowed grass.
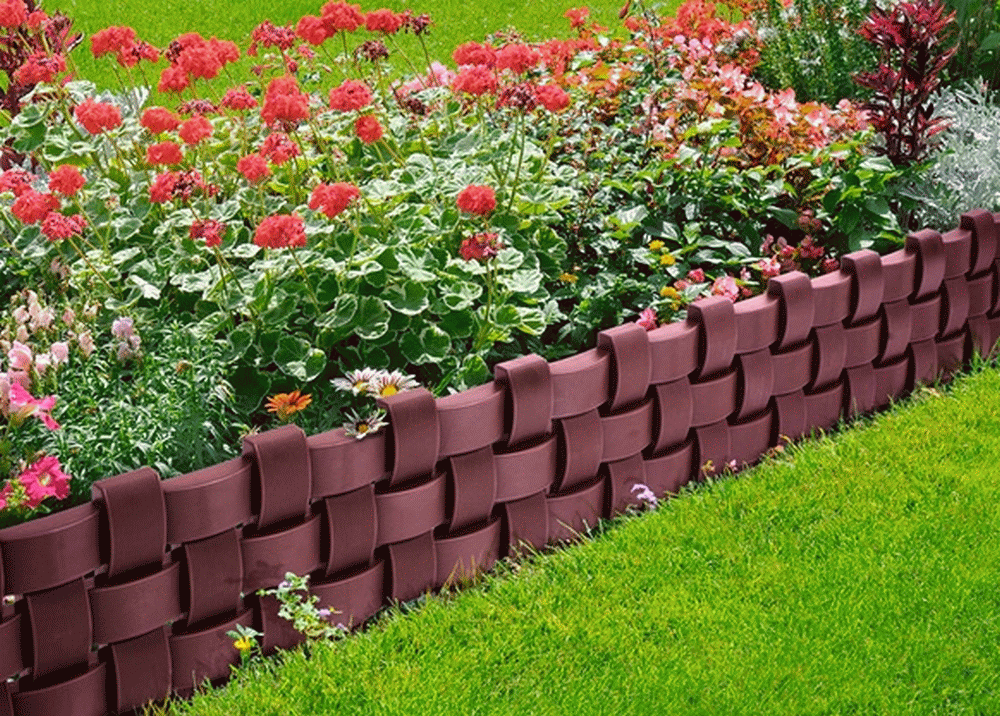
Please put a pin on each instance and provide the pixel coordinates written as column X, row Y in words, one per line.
column 855, row 575
column 159, row 21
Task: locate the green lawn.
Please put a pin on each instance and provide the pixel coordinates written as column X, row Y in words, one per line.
column 855, row 575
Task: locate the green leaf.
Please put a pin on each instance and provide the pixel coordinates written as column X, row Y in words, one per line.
column 281, row 309
column 461, row 295
column 991, row 42
column 341, row 313
column 290, row 350
column 240, row 339
column 372, row 320
column 308, row 369
column 523, row 281
column 408, row 299
column 848, row 217
column 148, row 290
column 126, row 228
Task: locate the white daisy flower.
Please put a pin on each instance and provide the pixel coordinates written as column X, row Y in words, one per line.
column 357, row 382
column 359, row 427
column 385, row 383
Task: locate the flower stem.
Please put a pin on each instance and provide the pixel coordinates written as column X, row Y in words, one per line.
column 305, row 277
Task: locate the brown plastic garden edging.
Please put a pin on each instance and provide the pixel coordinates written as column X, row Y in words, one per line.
column 128, row 599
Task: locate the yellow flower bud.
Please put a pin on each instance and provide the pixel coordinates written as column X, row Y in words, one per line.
column 669, row 292
column 568, row 278
column 667, row 260
column 655, row 245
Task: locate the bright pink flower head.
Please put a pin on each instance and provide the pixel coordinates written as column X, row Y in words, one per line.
column 226, row 51
column 312, row 29
column 56, row 226
column 517, row 58
column 278, row 148
column 696, row 275
column 20, row 356
column 333, row 199
column 552, row 97
column 168, row 153
column 36, row 19
column 474, row 53
column 31, row 206
column 284, row 101
column 97, row 117
column 476, row 80
column 23, row 405
column 477, row 199
column 769, row 267
column 173, row 79
column 480, row 247
column 253, row 167
column 200, row 61
column 237, row 98
column 280, row 231
column 159, row 119
column 16, row 181
column 210, row 230
column 368, row 129
column 112, row 39
column 350, row 96
column 66, row 179
column 40, row 67
column 726, row 286
column 267, row 34
column 384, row 21
column 342, row 17
column 44, row 478
column 195, row 130
column 648, row 319
column 13, row 13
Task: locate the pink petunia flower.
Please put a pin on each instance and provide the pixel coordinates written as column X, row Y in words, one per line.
column 23, row 405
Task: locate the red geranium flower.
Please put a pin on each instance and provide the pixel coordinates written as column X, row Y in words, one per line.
column 253, row 167
column 368, row 129
column 281, row 231
column 552, row 97
column 173, row 79
column 383, row 20
column 16, row 181
column 210, row 230
column 55, row 226
column 473, row 53
column 577, row 16
column 480, row 247
column 270, row 35
column 284, row 101
column 475, row 80
column 97, row 117
column 13, row 13
column 66, row 179
column 159, row 119
column 196, row 129
column 31, row 206
column 312, row 29
column 164, row 153
column 332, row 199
column 342, row 17
column 477, row 199
column 111, row 39
column 278, row 148
column 238, row 98
column 40, row 67
column 199, row 61
column 349, row 96
column 517, row 58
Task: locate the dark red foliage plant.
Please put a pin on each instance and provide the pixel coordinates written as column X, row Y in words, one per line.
column 910, row 38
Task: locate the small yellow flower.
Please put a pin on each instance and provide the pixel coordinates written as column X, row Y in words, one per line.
column 667, row 260
column 655, row 245
column 669, row 292
column 244, row 644
column 568, row 277
column 285, row 405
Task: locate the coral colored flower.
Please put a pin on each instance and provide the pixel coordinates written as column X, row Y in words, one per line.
column 16, row 181
column 312, row 29
column 97, row 117
column 55, row 226
column 112, row 39
column 210, row 230
column 283, row 101
column 476, row 199
column 368, row 129
column 480, row 247
column 333, row 199
column 475, row 80
column 577, row 16
column 474, row 53
column 552, row 97
column 517, row 58
column 13, row 13
column 351, row 95
column 44, row 478
column 31, row 206
column 342, row 17
column 199, row 61
column 253, row 167
column 285, row 405
column 238, row 98
column 36, row 19
column 726, row 286
column 383, row 20
column 647, row 319
column 66, row 179
column 40, row 67
column 164, row 153
column 281, row 231
column 23, row 405
column 159, row 119
column 195, row 130
column 173, row 79
column 278, row 148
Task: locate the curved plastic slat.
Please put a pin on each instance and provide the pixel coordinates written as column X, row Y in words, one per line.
column 214, row 567
column 824, row 407
column 266, row 559
column 792, row 368
column 141, row 670
column 472, row 483
column 829, row 354
column 897, row 327
column 673, row 351
column 713, row 399
column 483, row 407
column 790, row 419
column 859, row 390
column 712, row 442
column 524, row 472
column 891, row 381
column 460, row 557
column 749, row 439
column 526, row 523
column 980, row 336
column 84, row 695
column 899, row 270
column 356, row 598
column 627, row 433
column 528, row 383
column 957, row 252
column 955, row 305
column 11, row 658
column 631, row 363
column 414, row 434
column 757, row 323
column 716, row 319
column 206, row 654
column 867, row 286
column 136, row 517
column 581, row 446
column 404, row 514
column 925, row 318
column 52, row 550
column 623, row 475
column 923, row 362
column 352, row 527
column 980, row 294
column 284, row 475
column 61, row 627
column 412, row 567
column 125, row 611
column 863, row 342
column 831, row 297
column 580, row 383
column 209, row 501
column 341, row 463
column 798, row 309
column 669, row 472
column 673, row 414
column 571, row 514
column 984, row 238
column 279, row 633
column 951, row 352
column 929, row 248
column 755, row 384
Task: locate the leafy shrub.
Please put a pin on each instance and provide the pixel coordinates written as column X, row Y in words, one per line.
column 977, row 44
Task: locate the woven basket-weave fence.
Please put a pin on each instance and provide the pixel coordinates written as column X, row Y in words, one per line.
column 128, row 598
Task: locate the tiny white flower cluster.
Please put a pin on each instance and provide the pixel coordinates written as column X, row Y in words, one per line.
column 375, row 384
